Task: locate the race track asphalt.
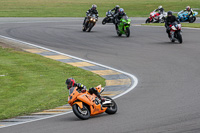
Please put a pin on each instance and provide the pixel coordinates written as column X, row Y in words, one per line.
column 167, row 98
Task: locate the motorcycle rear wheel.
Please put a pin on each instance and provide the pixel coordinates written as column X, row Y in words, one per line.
column 111, row 109
column 192, row 19
column 83, row 28
column 83, row 113
column 172, row 40
column 119, row 34
column 104, row 20
column 162, row 20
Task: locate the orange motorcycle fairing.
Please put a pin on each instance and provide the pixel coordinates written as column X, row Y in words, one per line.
column 80, row 104
column 86, row 99
column 97, row 109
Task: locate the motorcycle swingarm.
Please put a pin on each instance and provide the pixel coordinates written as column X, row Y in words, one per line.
column 107, row 103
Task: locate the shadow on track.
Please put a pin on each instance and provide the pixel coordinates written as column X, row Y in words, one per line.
column 165, row 43
column 74, row 118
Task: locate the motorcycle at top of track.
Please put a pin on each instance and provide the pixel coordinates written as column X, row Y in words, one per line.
column 156, row 17
column 184, row 17
column 109, row 17
column 85, row 105
column 124, row 26
column 175, row 32
column 90, row 22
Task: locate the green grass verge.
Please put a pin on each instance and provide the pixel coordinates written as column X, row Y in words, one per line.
column 191, row 25
column 77, row 8
column 33, row 83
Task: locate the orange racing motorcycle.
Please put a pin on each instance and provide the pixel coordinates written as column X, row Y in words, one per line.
column 85, row 105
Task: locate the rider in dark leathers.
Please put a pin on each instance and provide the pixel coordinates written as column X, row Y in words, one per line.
column 92, row 10
column 169, row 20
column 118, row 16
column 116, row 9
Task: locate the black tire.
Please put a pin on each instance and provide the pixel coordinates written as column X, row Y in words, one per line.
column 179, row 37
column 119, row 34
column 192, row 19
column 112, row 109
column 127, row 32
column 77, row 111
column 163, row 20
column 148, row 20
column 104, row 21
column 84, row 28
column 90, row 27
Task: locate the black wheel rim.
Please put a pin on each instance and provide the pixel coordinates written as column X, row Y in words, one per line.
column 83, row 111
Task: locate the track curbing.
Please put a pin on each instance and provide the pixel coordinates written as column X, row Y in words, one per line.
column 125, row 81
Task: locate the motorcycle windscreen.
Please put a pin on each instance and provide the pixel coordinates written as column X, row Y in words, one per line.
column 125, row 17
column 71, row 90
column 93, row 15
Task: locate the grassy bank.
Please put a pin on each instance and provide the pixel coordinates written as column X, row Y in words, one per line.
column 77, row 8
column 191, row 25
column 31, row 83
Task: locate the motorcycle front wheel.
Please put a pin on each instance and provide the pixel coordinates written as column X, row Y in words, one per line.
column 127, row 32
column 179, row 37
column 90, row 27
column 111, row 109
column 83, row 113
column 148, row 20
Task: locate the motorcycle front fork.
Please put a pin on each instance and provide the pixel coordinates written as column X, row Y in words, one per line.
column 172, row 34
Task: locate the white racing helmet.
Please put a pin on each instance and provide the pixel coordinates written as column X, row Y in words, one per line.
column 187, row 8
column 94, row 7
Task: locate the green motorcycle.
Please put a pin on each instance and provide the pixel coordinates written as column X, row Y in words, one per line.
column 123, row 26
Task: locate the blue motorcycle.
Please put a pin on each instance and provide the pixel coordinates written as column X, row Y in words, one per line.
column 183, row 16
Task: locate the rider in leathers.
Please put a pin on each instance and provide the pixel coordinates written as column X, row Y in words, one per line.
column 91, row 11
column 118, row 16
column 116, row 9
column 70, row 82
column 169, row 20
column 160, row 11
column 189, row 10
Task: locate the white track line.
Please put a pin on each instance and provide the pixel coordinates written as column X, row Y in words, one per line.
column 62, row 21
column 133, row 78
column 163, row 27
